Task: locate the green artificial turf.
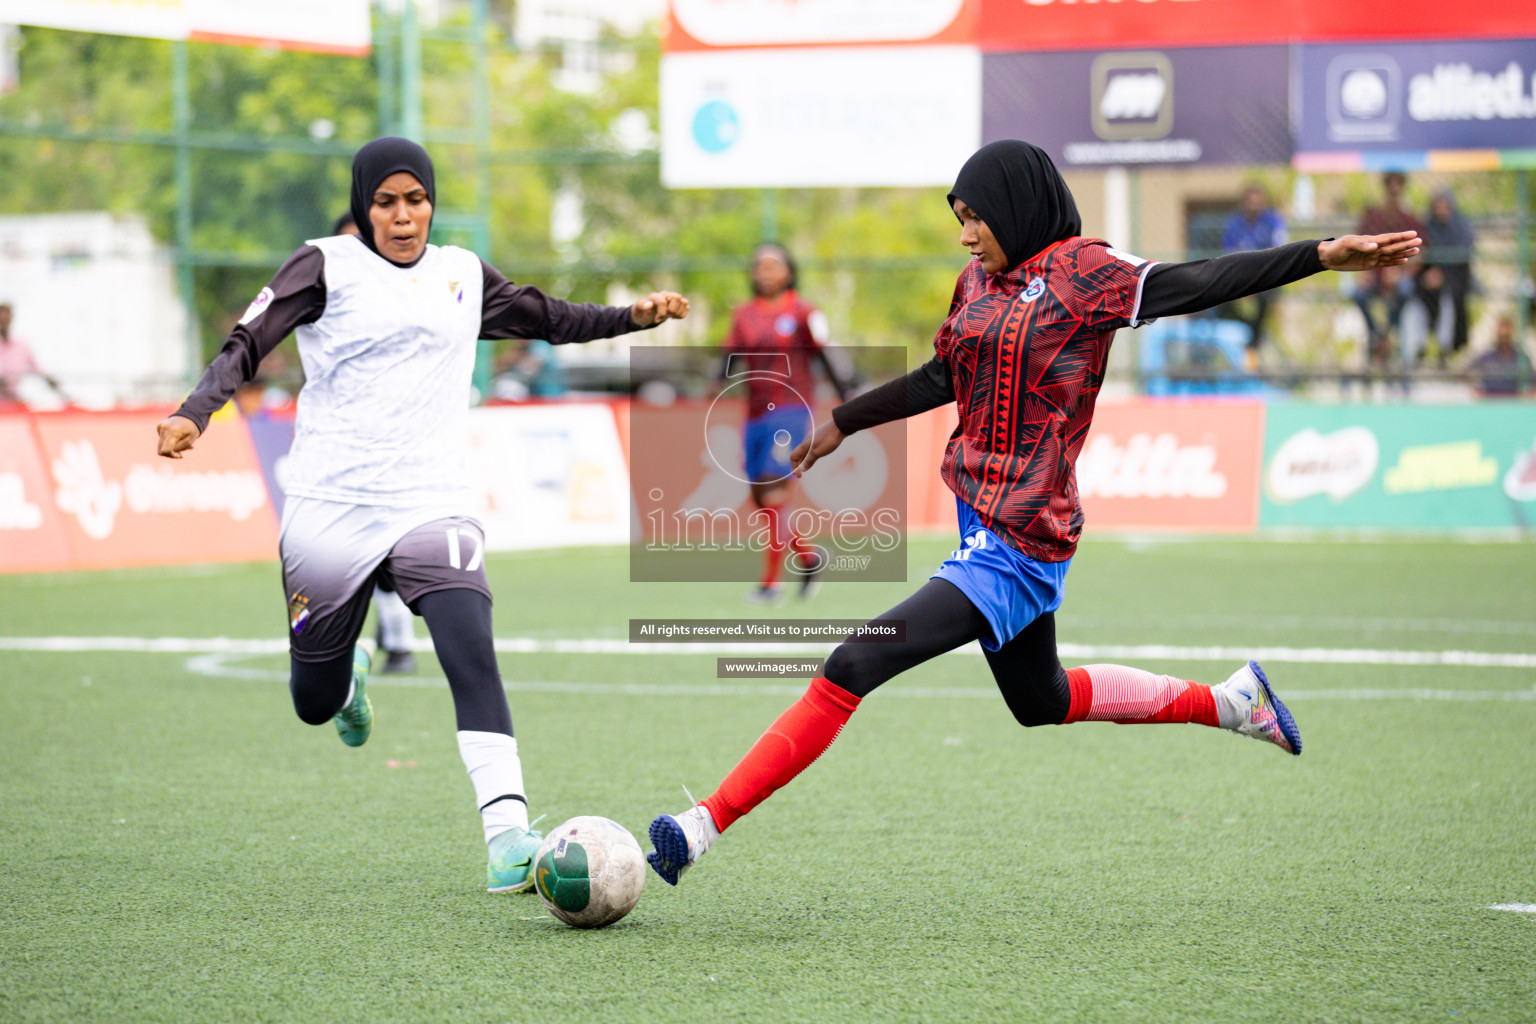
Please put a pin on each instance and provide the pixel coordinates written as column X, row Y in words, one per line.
column 179, row 847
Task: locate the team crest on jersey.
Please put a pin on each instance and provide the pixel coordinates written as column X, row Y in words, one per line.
column 455, row 291
column 298, row 613
column 785, row 325
column 1035, row 290
column 262, row 301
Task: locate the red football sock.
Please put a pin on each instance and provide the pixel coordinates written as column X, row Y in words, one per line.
column 1133, row 696
column 801, row 734
column 773, row 554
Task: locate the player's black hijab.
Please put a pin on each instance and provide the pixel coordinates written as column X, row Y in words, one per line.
column 1015, row 188
column 377, row 161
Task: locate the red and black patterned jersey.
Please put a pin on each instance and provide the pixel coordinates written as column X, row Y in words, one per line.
column 774, row 341
column 1026, row 353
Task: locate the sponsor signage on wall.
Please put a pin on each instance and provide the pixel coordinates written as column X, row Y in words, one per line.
column 1426, row 467
column 334, row 26
column 1085, row 24
column 546, row 476
column 1172, row 465
column 1174, row 106
column 120, row 504
column 807, row 117
column 1417, row 96
column 32, row 536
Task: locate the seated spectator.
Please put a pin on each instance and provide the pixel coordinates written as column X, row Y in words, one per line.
column 17, row 362
column 1390, row 286
column 1255, row 224
column 1447, row 279
column 1504, row 371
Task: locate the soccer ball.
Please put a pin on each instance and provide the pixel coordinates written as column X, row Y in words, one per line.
column 589, row 872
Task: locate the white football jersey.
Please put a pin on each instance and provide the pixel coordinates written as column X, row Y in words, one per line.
column 382, row 417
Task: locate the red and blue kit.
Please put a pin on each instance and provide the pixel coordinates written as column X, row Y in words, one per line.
column 774, row 340
column 1026, row 352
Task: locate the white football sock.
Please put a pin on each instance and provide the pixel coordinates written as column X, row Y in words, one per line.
column 497, row 774
column 1231, row 708
column 396, row 631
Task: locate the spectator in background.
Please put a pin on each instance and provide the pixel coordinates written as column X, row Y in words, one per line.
column 1447, row 279
column 1255, row 224
column 1504, row 371
column 535, row 368
column 1391, row 286
column 17, row 362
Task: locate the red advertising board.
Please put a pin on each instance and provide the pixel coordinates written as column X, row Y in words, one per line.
column 1034, row 25
column 1173, row 465
column 120, row 504
column 1040, row 25
column 1147, row 465
column 32, row 537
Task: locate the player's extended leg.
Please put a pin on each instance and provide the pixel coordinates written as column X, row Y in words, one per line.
column 938, row 618
column 460, row 623
column 1040, row 692
column 396, row 629
column 335, row 690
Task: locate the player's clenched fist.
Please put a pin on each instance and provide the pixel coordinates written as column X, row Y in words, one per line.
column 177, row 433
column 657, row 307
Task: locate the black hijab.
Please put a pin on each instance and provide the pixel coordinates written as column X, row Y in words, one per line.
column 377, row 161
column 1017, row 191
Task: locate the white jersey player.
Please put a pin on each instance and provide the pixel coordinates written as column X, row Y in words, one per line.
column 377, row 492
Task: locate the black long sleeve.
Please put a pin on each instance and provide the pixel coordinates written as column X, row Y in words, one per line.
column 522, row 311
column 295, row 296
column 927, row 387
column 1175, row 288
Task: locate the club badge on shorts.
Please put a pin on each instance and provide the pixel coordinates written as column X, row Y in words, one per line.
column 298, row 613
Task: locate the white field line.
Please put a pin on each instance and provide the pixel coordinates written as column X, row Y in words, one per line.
column 533, row 645
column 1519, row 908
column 217, row 666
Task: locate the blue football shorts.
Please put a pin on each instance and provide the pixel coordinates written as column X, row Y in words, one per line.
column 768, row 439
column 1008, row 587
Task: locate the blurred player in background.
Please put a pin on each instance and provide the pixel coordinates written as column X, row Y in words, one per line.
column 386, row 326
column 396, row 632
column 774, row 337
column 1022, row 354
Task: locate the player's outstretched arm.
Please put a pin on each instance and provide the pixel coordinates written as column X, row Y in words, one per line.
column 1368, row 252
column 1173, row 289
column 177, row 435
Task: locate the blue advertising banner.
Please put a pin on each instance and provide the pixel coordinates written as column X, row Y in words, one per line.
column 1413, row 97
column 1207, row 105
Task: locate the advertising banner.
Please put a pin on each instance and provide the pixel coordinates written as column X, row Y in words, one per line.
column 771, row 118
column 1098, row 108
column 704, row 24
column 32, row 537
column 1424, row 467
column 548, row 476
column 335, row 26
column 123, row 505
column 1172, row 465
column 1085, row 24
column 1393, row 98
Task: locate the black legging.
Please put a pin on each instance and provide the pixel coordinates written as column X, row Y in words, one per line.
column 460, row 623
column 940, row 618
